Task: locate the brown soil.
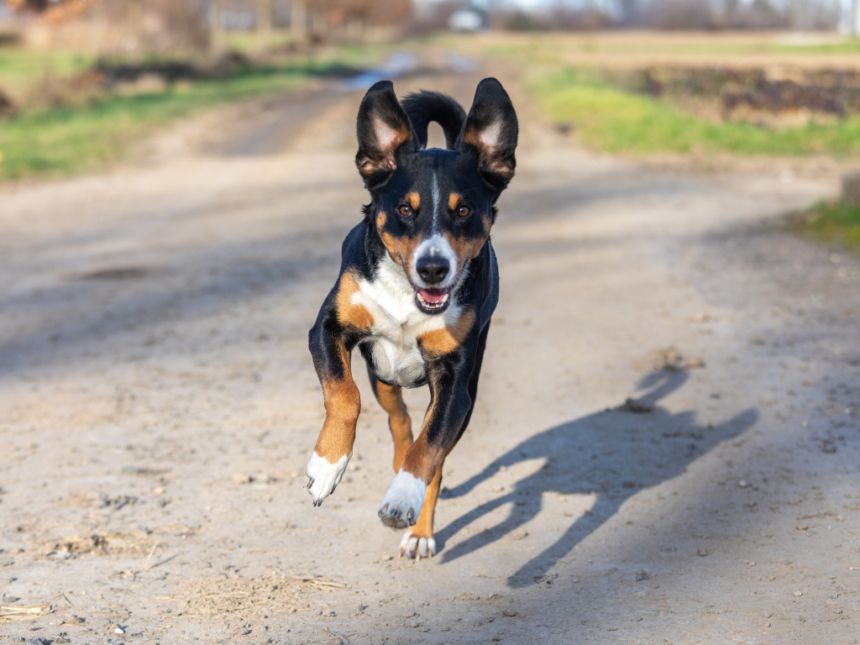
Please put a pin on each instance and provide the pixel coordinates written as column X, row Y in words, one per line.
column 158, row 406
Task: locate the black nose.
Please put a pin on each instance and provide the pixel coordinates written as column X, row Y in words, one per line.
column 432, row 270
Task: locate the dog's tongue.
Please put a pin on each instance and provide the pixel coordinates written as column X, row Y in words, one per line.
column 432, row 296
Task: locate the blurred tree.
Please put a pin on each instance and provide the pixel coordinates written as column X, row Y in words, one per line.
column 629, row 10
column 327, row 17
column 855, row 18
column 135, row 28
column 299, row 20
column 216, row 26
column 264, row 23
column 730, row 10
column 54, row 12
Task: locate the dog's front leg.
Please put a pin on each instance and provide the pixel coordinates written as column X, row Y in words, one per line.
column 331, row 355
column 449, row 404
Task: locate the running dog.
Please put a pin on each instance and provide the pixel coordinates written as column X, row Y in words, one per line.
column 417, row 287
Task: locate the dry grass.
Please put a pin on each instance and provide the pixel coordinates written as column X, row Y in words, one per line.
column 18, row 614
column 226, row 594
column 631, row 49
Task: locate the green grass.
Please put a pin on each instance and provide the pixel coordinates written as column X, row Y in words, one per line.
column 20, row 67
column 612, row 120
column 65, row 140
column 833, row 223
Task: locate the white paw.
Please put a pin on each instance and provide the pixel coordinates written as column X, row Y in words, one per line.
column 403, row 501
column 323, row 476
column 417, row 547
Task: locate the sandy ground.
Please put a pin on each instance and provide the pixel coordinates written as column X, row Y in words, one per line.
column 158, row 406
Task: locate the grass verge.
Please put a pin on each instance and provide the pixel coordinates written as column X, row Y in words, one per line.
column 610, row 119
column 63, row 140
column 832, row 223
column 20, row 67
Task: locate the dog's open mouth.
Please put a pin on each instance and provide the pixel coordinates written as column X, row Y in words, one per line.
column 432, row 301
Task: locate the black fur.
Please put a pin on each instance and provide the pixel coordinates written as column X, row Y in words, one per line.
column 417, row 194
column 490, row 106
column 423, row 107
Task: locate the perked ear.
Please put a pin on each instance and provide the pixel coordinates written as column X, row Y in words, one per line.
column 384, row 132
column 490, row 132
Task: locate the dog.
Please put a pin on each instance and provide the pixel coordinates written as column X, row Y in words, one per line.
column 418, row 285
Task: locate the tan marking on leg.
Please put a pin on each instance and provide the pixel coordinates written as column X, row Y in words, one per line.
column 342, row 407
column 444, row 341
column 391, row 399
column 424, row 526
column 420, row 458
column 414, row 200
column 348, row 313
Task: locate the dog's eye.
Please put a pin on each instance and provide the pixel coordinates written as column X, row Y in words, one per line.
column 405, row 210
column 463, row 211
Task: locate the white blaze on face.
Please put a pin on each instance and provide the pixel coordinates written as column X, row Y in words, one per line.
column 436, row 199
column 435, row 246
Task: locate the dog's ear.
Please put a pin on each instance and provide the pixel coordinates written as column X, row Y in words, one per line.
column 490, row 132
column 384, row 133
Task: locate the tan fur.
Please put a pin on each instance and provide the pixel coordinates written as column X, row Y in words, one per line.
column 367, row 166
column 468, row 248
column 342, row 407
column 420, row 460
column 399, row 248
column 454, row 200
column 470, row 136
column 349, row 313
column 391, row 399
column 424, row 526
column 485, row 153
column 414, row 200
column 444, row 341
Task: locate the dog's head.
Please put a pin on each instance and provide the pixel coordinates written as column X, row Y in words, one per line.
column 433, row 209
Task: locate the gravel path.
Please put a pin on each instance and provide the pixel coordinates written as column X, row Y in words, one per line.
column 158, row 405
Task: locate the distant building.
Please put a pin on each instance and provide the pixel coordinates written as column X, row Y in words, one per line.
column 469, row 20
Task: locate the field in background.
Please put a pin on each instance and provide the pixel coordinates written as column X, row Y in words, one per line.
column 21, row 69
column 609, row 119
column 582, row 84
column 63, row 131
column 628, row 49
column 573, row 79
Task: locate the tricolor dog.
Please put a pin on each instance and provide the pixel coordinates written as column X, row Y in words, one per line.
column 417, row 287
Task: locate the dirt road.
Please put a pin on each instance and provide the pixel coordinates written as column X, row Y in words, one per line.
column 158, row 406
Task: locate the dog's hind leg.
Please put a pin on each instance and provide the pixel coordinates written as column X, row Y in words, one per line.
column 390, row 397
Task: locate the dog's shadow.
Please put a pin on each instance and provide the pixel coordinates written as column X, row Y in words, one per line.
column 612, row 455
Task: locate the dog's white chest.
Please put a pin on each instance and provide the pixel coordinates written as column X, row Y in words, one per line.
column 397, row 325
column 397, row 362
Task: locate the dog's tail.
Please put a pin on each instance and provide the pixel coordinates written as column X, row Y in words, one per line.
column 424, row 107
